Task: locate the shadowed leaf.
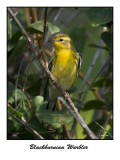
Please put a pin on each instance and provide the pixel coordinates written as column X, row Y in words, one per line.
column 54, row 118
column 94, row 104
column 99, row 16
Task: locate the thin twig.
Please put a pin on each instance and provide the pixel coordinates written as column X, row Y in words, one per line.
column 93, row 80
column 103, row 128
column 35, row 18
column 88, row 82
column 34, row 13
column 45, row 25
column 57, row 14
column 34, row 132
column 69, row 104
column 27, row 16
column 66, row 132
column 44, row 35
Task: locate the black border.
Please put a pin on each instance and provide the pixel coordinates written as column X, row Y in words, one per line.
column 112, row 68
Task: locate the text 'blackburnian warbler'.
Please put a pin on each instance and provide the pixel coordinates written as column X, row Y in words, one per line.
column 64, row 66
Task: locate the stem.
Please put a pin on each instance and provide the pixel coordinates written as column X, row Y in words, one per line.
column 97, row 95
column 45, row 25
column 66, row 132
column 44, row 36
column 27, row 16
column 34, row 13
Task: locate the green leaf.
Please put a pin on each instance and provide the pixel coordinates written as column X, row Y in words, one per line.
column 35, row 123
column 100, row 128
column 15, row 112
column 10, row 47
column 14, row 92
column 38, row 27
column 107, row 37
column 99, row 83
column 37, row 101
column 109, row 100
column 98, row 46
column 16, row 36
column 109, row 83
column 99, row 16
column 14, row 55
column 96, row 127
column 54, row 118
column 10, row 125
column 103, row 83
column 108, row 134
column 94, row 104
column 19, row 100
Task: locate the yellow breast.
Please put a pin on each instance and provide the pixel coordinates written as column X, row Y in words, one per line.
column 65, row 68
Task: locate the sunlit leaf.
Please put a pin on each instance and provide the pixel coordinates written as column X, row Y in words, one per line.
column 14, row 112
column 108, row 134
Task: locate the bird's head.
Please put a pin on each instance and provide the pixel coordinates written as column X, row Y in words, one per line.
column 62, row 41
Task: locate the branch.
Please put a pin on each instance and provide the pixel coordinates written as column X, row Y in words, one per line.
column 44, row 35
column 67, row 135
column 45, row 25
column 34, row 13
column 78, row 117
column 34, row 132
column 69, row 104
column 97, row 95
column 27, row 15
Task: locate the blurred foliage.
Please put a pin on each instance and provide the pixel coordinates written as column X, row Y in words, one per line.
column 26, row 79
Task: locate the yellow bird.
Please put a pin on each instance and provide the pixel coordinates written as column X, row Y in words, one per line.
column 64, row 66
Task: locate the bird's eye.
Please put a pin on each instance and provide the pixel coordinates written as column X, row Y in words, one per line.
column 61, row 40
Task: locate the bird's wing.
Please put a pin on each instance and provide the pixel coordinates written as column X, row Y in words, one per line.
column 79, row 62
column 50, row 64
